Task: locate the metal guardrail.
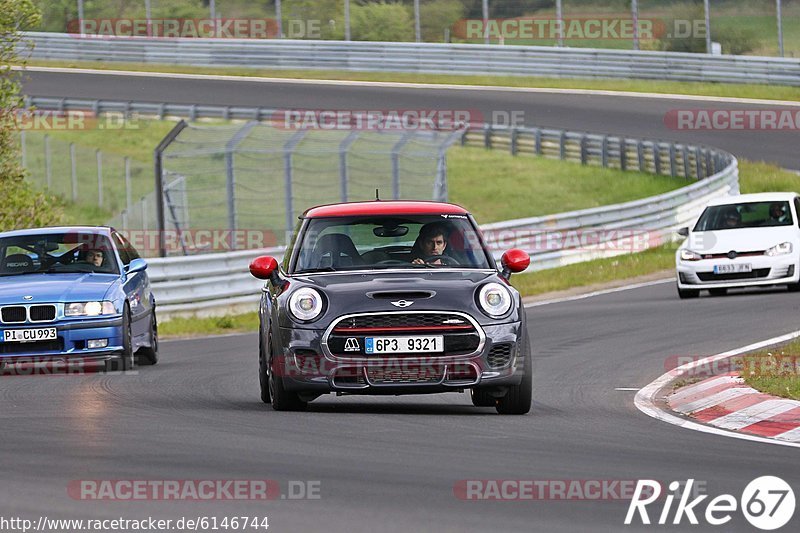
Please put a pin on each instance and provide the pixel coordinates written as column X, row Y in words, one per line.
column 214, row 284
column 440, row 58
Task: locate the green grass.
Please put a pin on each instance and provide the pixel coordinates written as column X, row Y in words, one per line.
column 767, row 92
column 193, row 327
column 525, row 186
column 775, row 371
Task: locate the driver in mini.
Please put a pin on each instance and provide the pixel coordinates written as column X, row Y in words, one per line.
column 432, row 241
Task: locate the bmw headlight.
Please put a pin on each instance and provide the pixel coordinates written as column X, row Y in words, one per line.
column 494, row 299
column 779, row 249
column 688, row 255
column 305, row 304
column 89, row 309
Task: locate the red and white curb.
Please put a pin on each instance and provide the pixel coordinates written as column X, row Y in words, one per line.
column 724, row 400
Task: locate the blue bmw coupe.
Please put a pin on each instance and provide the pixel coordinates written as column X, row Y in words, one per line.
column 75, row 294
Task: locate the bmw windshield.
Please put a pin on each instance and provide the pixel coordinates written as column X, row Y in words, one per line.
column 391, row 242
column 57, row 253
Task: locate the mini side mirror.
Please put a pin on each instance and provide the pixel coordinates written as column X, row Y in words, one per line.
column 513, row 261
column 263, row 267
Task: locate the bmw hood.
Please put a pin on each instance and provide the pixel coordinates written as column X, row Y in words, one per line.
column 424, row 290
column 52, row 288
column 741, row 240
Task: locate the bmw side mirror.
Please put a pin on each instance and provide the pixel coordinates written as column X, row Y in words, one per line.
column 137, row 265
column 513, row 261
column 683, row 232
column 265, row 267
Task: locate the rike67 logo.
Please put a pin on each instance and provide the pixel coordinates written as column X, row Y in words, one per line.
column 767, row 503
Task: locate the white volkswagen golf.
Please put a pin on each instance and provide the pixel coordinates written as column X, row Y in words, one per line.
column 741, row 241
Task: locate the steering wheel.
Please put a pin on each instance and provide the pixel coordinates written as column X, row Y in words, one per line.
column 391, row 262
column 444, row 259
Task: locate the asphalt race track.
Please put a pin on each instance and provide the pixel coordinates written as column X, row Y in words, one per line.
column 391, row 464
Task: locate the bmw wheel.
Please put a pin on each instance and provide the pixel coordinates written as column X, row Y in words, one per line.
column 149, row 355
column 123, row 361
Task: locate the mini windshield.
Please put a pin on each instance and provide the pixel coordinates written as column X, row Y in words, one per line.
column 745, row 215
column 57, row 253
column 405, row 241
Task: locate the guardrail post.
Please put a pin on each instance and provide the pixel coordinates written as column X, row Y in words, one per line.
column 74, row 171
column 686, row 171
column 604, row 151
column 709, row 164
column 623, row 154
column 657, row 157
column 47, row 161
column 697, row 164
column 640, row 155
column 487, row 136
column 514, row 135
column 144, row 220
column 584, row 150
column 128, row 192
column 672, row 163
column 562, row 145
column 99, row 157
column 193, row 112
column 538, row 141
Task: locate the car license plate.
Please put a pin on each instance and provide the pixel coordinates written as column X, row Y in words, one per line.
column 404, row 344
column 734, row 268
column 29, row 335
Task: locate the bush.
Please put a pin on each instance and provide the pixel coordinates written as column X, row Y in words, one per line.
column 436, row 15
column 22, row 207
column 381, row 21
column 736, row 41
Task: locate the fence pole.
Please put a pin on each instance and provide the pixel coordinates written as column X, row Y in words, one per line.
column 47, row 161
column 128, row 198
column 560, row 22
column 346, row 20
column 278, row 18
column 635, row 17
column 417, row 32
column 780, row 27
column 485, row 12
column 514, row 135
column 708, row 26
column 158, row 156
column 396, row 164
column 344, row 147
column 74, row 171
column 623, row 154
column 99, row 157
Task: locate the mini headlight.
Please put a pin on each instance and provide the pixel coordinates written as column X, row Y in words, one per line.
column 494, row 299
column 305, row 304
column 89, row 309
column 688, row 255
column 779, row 249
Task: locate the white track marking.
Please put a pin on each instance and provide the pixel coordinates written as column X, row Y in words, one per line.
column 404, row 85
column 599, row 293
column 755, row 413
column 715, row 399
column 645, row 399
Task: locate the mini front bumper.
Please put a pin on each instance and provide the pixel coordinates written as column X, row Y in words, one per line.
column 304, row 366
column 71, row 343
column 778, row 270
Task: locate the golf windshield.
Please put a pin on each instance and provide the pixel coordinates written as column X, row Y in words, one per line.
column 745, row 215
column 57, row 253
column 391, row 242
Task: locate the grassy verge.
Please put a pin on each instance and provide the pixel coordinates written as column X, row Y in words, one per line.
column 194, row 327
column 660, row 87
column 775, row 371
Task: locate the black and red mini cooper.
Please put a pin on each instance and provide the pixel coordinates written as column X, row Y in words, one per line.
column 392, row 297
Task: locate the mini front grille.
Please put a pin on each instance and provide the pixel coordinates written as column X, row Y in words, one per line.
column 10, row 348
column 13, row 314
column 403, row 320
column 410, row 375
column 499, row 356
column 42, row 313
column 755, row 274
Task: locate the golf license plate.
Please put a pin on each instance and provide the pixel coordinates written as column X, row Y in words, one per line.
column 432, row 344
column 735, row 268
column 29, row 335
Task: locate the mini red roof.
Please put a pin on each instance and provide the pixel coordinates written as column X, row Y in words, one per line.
column 381, row 207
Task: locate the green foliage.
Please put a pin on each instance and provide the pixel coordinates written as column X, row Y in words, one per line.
column 381, row 21
column 436, row 15
column 737, row 40
column 21, row 205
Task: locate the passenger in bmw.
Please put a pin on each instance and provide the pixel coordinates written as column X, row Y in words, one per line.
column 430, row 245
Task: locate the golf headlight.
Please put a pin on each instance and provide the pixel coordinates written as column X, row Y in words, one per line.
column 688, row 255
column 305, row 304
column 780, row 249
column 89, row 309
column 494, row 299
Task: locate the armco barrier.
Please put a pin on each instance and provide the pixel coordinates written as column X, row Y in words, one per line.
column 220, row 283
column 420, row 57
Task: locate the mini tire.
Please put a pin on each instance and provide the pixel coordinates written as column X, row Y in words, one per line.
column 282, row 399
column 263, row 373
column 518, row 399
column 482, row 398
